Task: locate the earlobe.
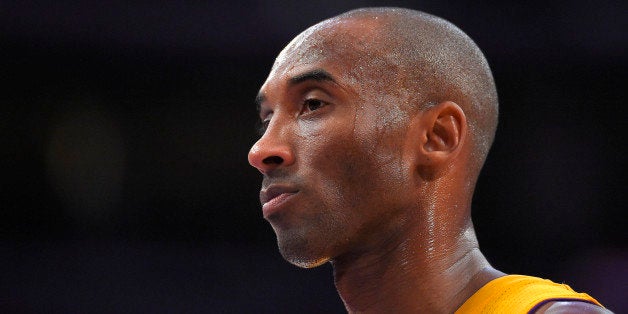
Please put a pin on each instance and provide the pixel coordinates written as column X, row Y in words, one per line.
column 445, row 131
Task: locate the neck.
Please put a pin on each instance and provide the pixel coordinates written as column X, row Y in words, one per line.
column 429, row 273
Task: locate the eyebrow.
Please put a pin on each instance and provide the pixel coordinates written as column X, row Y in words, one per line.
column 259, row 99
column 318, row 75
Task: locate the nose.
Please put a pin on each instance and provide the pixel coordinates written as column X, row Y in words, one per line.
column 270, row 152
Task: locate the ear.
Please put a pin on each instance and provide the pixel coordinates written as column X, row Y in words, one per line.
column 443, row 134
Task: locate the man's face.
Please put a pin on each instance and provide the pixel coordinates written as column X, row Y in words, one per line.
column 336, row 164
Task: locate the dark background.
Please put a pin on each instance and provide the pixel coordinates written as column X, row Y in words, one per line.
column 124, row 131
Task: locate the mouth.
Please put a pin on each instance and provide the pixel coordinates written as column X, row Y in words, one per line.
column 274, row 196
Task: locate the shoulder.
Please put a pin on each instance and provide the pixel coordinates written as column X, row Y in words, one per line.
column 560, row 307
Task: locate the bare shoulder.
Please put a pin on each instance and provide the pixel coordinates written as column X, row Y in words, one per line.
column 563, row 307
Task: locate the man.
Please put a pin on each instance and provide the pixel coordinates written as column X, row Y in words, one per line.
column 375, row 125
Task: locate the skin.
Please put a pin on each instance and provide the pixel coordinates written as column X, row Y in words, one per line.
column 372, row 169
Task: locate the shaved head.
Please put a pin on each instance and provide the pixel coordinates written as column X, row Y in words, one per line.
column 412, row 58
column 365, row 97
column 375, row 126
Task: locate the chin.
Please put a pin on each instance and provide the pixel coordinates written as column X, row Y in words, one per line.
column 306, row 262
column 300, row 252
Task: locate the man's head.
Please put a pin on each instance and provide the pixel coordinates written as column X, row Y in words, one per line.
column 370, row 119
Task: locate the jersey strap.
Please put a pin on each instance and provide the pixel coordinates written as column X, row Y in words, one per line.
column 519, row 294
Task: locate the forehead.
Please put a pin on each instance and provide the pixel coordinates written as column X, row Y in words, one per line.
column 339, row 45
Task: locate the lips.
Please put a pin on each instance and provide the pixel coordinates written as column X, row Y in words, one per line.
column 275, row 195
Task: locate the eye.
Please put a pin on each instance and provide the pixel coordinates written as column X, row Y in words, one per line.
column 313, row 104
column 262, row 126
column 263, row 123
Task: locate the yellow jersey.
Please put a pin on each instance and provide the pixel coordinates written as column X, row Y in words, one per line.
column 519, row 294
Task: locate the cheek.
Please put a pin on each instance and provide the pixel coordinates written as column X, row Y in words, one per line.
column 349, row 172
column 381, row 136
column 355, row 155
column 331, row 158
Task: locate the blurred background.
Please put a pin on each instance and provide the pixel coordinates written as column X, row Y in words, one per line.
column 124, row 130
